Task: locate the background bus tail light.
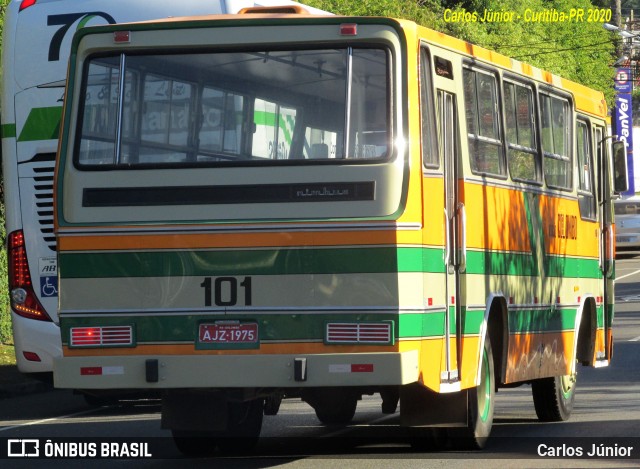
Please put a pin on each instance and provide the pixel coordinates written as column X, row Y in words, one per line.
column 23, row 297
column 26, row 4
column 31, row 356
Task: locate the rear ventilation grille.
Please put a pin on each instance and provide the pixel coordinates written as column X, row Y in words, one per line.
column 359, row 333
column 106, row 336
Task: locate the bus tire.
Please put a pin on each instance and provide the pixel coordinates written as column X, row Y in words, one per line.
column 245, row 423
column 553, row 397
column 272, row 403
column 481, row 403
column 338, row 412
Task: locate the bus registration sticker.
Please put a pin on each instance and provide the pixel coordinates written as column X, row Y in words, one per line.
column 228, row 334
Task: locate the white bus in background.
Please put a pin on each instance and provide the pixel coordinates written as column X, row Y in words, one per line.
column 36, row 42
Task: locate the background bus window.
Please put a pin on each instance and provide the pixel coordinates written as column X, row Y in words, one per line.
column 522, row 153
column 555, row 141
column 221, row 126
column 321, row 144
column 273, row 134
column 483, row 129
column 165, row 120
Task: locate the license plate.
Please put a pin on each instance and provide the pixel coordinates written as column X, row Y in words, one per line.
column 223, row 333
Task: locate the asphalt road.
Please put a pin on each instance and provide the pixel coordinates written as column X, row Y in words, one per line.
column 606, row 416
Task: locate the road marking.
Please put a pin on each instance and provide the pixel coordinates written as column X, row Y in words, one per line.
column 636, row 339
column 37, row 422
column 628, row 275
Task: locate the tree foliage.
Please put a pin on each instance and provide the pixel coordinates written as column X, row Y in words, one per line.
column 581, row 51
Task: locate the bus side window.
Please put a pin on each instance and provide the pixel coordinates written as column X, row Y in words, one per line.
column 584, row 159
column 555, row 141
column 429, row 141
column 522, row 149
column 483, row 123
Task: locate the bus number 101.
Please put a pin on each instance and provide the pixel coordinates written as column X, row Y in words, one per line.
column 223, row 291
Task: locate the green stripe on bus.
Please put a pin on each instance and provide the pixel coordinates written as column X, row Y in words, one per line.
column 309, row 261
column 250, row 262
column 42, row 124
column 422, row 325
column 511, row 263
column 272, row 327
column 8, row 130
column 302, row 326
column 501, row 263
column 542, row 320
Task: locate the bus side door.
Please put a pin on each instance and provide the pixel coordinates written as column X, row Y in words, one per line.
column 455, row 234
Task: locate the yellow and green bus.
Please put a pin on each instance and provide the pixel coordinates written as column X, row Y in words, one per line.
column 280, row 204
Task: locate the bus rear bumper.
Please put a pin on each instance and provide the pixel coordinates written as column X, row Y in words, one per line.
column 37, row 344
column 234, row 371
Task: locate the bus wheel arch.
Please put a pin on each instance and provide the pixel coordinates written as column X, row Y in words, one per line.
column 481, row 399
column 586, row 332
column 498, row 333
column 554, row 396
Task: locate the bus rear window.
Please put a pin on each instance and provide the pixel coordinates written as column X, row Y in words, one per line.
column 234, row 108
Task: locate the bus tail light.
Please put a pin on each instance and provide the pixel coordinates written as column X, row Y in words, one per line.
column 101, row 336
column 23, row 297
column 26, row 4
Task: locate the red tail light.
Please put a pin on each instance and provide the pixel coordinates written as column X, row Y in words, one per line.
column 26, row 4
column 23, row 298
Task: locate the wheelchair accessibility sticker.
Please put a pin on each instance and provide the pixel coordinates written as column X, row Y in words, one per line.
column 48, row 277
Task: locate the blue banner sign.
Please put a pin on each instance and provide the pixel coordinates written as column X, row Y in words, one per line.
column 624, row 128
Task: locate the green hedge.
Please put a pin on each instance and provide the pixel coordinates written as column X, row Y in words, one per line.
column 5, row 318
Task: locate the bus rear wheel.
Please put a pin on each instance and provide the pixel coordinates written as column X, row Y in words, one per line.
column 334, row 406
column 553, row 397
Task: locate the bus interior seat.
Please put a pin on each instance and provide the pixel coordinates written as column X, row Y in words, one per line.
column 319, row 151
